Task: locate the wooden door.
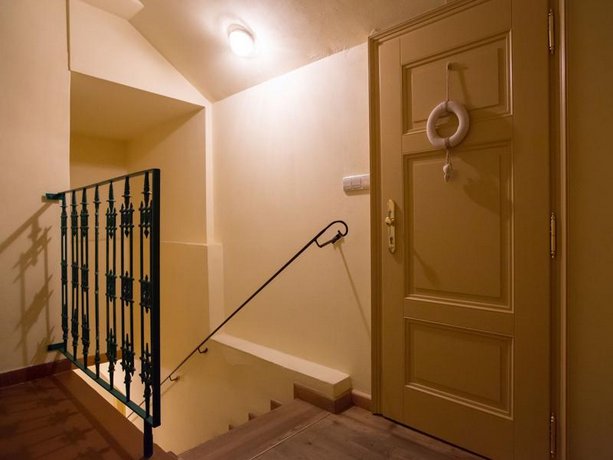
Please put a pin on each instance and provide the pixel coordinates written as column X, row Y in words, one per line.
column 462, row 305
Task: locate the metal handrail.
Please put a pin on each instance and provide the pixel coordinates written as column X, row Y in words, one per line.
column 315, row 240
column 334, row 239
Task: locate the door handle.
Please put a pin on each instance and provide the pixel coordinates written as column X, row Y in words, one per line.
column 390, row 222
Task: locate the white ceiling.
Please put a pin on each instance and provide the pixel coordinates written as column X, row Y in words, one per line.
column 192, row 34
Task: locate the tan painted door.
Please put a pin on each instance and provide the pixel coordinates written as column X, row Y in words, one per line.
column 464, row 300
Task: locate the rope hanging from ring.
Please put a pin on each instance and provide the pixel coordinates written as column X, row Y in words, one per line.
column 446, row 143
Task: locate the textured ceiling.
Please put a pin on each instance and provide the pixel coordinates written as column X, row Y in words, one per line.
column 192, row 34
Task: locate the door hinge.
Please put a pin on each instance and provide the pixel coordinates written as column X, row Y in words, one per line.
column 553, row 243
column 551, row 32
column 552, row 435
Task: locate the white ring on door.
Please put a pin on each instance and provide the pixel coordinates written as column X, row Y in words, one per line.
column 463, row 123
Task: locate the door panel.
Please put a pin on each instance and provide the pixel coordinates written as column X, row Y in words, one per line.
column 457, row 232
column 464, row 299
column 480, row 81
column 463, row 365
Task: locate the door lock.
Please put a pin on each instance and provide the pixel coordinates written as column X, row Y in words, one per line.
column 390, row 222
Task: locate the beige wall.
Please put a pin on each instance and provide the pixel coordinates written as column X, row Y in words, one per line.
column 109, row 47
column 590, row 255
column 34, row 138
column 284, row 147
column 281, row 150
column 177, row 147
column 94, row 159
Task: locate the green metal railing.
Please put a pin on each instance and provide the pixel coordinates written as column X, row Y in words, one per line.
column 129, row 317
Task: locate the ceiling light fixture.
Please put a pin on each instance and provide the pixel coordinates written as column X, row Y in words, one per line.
column 241, row 40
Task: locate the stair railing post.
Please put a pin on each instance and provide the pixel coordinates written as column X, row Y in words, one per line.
column 148, row 440
column 155, row 300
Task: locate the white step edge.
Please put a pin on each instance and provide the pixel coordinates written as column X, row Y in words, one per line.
column 326, row 380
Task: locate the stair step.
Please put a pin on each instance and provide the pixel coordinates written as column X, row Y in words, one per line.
column 258, row 435
column 274, row 404
column 250, row 416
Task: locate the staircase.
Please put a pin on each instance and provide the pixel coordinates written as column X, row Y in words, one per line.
column 259, row 434
column 299, row 430
column 62, row 417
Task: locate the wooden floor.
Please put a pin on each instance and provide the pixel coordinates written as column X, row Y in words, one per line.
column 61, row 417
column 301, row 431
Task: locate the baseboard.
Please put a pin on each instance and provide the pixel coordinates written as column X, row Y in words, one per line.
column 337, row 405
column 34, row 372
column 362, row 400
column 39, row 371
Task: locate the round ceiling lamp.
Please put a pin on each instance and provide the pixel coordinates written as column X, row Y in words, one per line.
column 241, row 41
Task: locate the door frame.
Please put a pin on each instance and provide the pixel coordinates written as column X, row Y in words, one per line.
column 559, row 194
column 559, row 190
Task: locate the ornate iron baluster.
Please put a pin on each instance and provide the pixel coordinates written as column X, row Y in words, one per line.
column 74, row 257
column 146, row 376
column 127, row 292
column 64, row 265
column 154, row 301
column 97, row 282
column 111, row 278
column 84, row 243
column 123, row 286
column 146, row 209
column 154, row 315
column 145, row 293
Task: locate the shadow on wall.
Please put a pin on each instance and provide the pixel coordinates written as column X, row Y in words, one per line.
column 34, row 293
column 354, row 290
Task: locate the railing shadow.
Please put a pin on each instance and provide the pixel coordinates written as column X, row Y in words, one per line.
column 34, row 295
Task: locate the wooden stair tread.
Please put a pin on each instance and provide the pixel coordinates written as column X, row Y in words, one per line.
column 260, row 434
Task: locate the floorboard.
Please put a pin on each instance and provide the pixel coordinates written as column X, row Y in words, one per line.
column 357, row 434
column 61, row 417
column 299, row 431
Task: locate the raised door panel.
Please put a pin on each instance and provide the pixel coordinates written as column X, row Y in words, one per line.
column 458, row 232
column 478, row 78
